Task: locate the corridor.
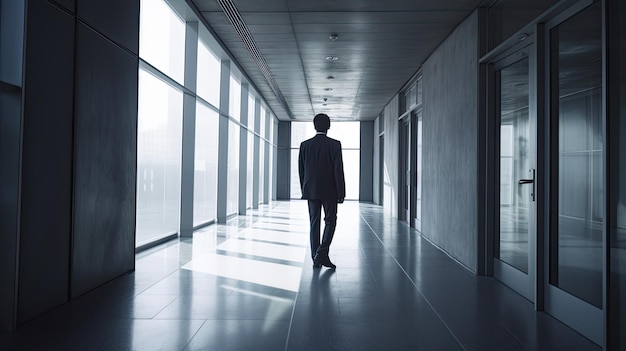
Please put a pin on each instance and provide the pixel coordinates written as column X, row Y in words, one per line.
column 250, row 285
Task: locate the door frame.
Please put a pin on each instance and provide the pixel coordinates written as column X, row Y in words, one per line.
column 526, row 284
column 405, row 208
column 584, row 318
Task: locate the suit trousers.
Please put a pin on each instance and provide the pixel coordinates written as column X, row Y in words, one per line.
column 330, row 222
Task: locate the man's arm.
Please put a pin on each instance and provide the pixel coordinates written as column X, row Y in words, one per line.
column 301, row 167
column 339, row 176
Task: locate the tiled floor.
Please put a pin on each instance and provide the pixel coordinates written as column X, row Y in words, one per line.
column 249, row 285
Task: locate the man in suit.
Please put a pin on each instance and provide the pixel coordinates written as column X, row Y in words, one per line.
column 320, row 166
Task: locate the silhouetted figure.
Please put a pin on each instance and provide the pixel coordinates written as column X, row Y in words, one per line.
column 320, row 166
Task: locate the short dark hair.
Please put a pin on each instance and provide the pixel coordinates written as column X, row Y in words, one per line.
column 321, row 122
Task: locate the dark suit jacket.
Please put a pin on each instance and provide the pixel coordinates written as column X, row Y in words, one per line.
column 320, row 166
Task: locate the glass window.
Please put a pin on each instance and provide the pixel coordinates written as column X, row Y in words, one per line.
column 351, row 166
column 515, row 161
column 162, row 38
column 262, row 155
column 209, row 71
column 349, row 133
column 250, row 175
column 296, row 192
column 270, row 163
column 205, row 165
column 159, row 144
column 419, row 90
column 577, row 210
column 251, row 109
column 262, row 123
column 617, row 130
column 301, row 131
column 234, row 103
column 411, row 98
column 261, row 170
column 233, row 168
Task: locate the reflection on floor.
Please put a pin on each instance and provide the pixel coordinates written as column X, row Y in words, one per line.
column 250, row 285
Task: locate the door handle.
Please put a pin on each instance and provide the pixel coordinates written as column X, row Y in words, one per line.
column 529, row 181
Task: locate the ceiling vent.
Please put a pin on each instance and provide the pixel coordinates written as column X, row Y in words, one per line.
column 241, row 28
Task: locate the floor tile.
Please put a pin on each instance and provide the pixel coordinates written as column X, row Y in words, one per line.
column 249, row 284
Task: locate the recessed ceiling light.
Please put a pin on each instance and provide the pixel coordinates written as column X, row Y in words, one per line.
column 330, row 77
column 333, row 36
column 332, row 58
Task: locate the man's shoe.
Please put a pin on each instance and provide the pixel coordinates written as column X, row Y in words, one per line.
column 325, row 261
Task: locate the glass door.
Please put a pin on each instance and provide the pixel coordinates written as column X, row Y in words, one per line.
column 417, row 159
column 575, row 289
column 515, row 227
column 405, row 169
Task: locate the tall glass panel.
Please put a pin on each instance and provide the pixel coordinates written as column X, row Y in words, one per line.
column 209, row 72
column 162, row 38
column 577, row 209
column 418, row 163
column 233, row 168
column 300, row 131
column 205, row 165
column 351, row 162
column 250, row 175
column 234, row 103
column 270, row 162
column 349, row 134
column 514, row 165
column 159, row 145
column 618, row 177
column 262, row 146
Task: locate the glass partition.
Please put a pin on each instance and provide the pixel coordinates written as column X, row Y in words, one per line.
column 162, row 38
column 576, row 256
column 250, row 175
column 209, row 72
column 617, row 132
column 159, row 145
column 234, row 103
column 233, row 168
column 514, row 165
column 205, row 165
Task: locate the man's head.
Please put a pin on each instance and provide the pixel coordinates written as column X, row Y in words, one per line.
column 321, row 122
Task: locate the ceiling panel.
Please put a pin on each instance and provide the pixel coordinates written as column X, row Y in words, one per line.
column 380, row 45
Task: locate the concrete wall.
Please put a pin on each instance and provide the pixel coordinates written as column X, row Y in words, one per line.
column 105, row 158
column 376, row 164
column 75, row 209
column 46, row 206
column 366, row 162
column 283, row 160
column 450, row 154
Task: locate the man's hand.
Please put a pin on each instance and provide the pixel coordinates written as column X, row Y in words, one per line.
column 340, row 201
